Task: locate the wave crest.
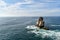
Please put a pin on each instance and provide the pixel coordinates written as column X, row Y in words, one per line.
column 54, row 34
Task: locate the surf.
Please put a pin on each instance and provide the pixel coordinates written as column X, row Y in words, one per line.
column 53, row 34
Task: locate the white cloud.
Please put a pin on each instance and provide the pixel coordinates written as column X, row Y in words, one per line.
column 12, row 10
column 16, row 10
column 2, row 3
column 29, row 1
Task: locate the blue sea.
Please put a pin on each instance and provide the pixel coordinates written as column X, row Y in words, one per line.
column 14, row 28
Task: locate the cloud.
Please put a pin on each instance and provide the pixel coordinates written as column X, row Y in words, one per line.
column 12, row 10
column 2, row 3
column 28, row 8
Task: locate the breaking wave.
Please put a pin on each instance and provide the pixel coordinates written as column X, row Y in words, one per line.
column 53, row 34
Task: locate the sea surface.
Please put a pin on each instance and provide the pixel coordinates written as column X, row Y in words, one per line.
column 14, row 28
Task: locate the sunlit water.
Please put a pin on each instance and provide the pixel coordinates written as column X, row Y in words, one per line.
column 14, row 28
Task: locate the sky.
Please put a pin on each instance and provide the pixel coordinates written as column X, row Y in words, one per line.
column 29, row 8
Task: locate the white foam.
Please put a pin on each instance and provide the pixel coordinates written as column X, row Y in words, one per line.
column 32, row 27
column 45, row 33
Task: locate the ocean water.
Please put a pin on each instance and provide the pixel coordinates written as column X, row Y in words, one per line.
column 14, row 28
